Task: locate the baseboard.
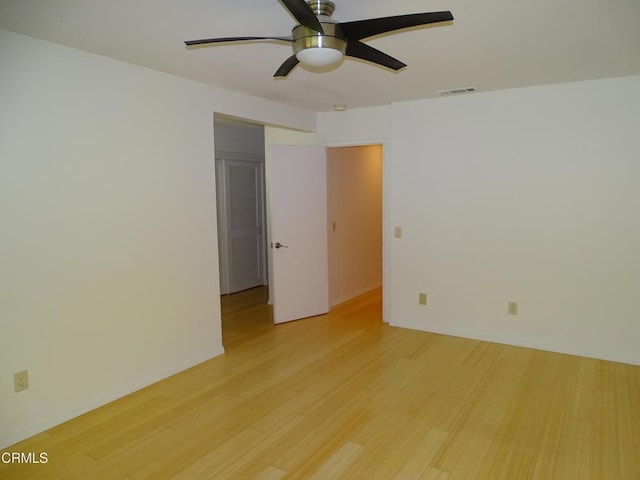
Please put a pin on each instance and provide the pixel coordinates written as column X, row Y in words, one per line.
column 357, row 293
column 11, row 437
column 547, row 346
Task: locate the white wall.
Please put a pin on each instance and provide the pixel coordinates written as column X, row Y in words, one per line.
column 354, row 208
column 108, row 255
column 361, row 126
column 528, row 195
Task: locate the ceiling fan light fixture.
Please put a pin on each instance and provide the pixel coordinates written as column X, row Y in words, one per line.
column 319, row 49
column 319, row 56
column 320, row 41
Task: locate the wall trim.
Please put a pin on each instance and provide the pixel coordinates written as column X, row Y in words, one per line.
column 531, row 344
column 352, row 295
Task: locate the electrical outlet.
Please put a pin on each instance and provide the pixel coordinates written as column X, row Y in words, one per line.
column 513, row 308
column 397, row 232
column 21, row 381
column 422, row 298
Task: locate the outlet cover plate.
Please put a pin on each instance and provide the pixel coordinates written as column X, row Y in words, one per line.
column 21, row 381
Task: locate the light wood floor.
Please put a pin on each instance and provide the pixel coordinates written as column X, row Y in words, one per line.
column 345, row 396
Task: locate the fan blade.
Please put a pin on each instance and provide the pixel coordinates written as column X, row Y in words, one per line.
column 303, row 14
column 367, row 28
column 234, row 39
column 361, row 50
column 288, row 65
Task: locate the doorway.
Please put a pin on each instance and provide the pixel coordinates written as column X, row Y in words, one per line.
column 354, row 226
column 245, row 315
column 239, row 162
column 354, row 209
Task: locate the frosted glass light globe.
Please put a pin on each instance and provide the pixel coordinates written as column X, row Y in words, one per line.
column 319, row 57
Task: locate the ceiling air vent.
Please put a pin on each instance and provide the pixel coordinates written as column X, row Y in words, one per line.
column 457, row 91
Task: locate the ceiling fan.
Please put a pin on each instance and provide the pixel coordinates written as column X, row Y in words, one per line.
column 320, row 41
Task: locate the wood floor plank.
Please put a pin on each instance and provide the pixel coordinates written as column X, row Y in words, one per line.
column 271, row 473
column 419, row 458
column 346, row 396
column 338, row 462
column 434, row 474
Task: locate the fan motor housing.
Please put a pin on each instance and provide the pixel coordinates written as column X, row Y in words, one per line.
column 305, row 37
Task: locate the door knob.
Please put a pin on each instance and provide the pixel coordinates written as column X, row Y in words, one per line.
column 279, row 245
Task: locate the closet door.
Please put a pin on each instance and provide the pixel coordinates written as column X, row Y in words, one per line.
column 244, row 229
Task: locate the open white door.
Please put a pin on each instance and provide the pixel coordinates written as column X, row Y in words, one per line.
column 298, row 232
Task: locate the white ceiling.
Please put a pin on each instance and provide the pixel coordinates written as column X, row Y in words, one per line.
column 491, row 45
